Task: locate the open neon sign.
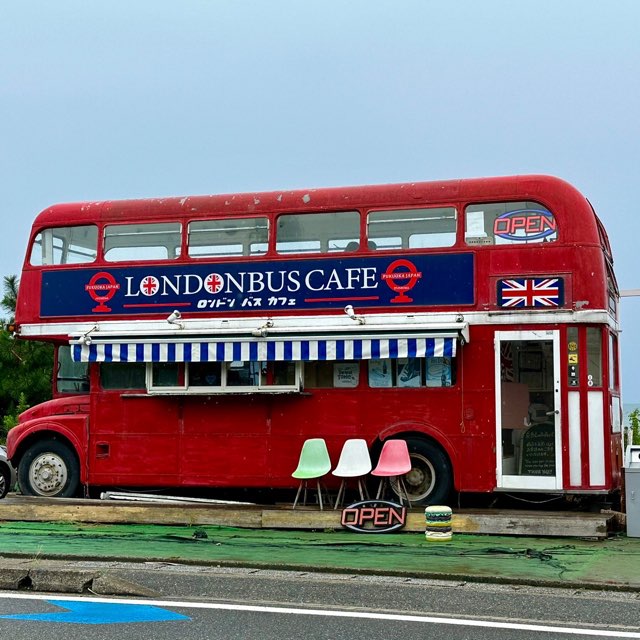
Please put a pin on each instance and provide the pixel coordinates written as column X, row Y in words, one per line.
column 525, row 224
column 374, row 516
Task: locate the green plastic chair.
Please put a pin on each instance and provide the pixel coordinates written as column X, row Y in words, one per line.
column 314, row 463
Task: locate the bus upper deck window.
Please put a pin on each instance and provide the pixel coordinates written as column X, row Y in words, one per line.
column 228, row 237
column 150, row 241
column 333, row 232
column 412, row 228
column 65, row 245
column 509, row 223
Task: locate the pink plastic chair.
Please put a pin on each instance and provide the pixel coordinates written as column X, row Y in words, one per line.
column 394, row 462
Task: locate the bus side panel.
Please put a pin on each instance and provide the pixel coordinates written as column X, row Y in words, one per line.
column 332, row 414
column 224, row 440
column 134, row 440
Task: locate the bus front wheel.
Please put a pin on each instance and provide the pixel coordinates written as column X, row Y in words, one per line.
column 430, row 480
column 49, row 468
column 5, row 482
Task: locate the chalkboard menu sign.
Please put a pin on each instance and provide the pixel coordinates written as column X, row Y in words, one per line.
column 539, row 451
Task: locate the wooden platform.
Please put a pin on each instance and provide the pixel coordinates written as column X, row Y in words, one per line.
column 489, row 521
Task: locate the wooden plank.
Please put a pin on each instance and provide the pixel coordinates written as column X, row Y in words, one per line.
column 496, row 522
column 300, row 519
column 125, row 514
column 500, row 523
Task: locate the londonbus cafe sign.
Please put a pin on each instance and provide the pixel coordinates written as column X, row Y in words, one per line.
column 374, row 516
column 388, row 281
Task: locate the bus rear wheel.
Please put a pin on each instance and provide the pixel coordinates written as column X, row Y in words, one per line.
column 430, row 480
column 49, row 468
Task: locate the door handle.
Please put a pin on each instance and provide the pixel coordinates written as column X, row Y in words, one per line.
column 552, row 413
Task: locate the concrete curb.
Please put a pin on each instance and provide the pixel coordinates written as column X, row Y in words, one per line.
column 102, row 582
column 41, row 576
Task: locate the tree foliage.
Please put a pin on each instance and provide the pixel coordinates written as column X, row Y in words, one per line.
column 10, row 295
column 25, row 366
column 634, row 422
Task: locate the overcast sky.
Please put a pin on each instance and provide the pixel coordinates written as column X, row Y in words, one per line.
column 145, row 98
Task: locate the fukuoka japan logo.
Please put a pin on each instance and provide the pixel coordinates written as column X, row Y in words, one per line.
column 401, row 276
column 102, row 287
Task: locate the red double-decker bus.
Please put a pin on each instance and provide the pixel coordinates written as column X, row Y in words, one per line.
column 201, row 340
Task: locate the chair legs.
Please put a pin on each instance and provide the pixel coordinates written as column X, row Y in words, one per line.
column 362, row 490
column 402, row 488
column 341, row 492
column 303, row 486
column 295, row 502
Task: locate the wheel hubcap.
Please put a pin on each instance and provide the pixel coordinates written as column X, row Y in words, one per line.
column 48, row 474
column 421, row 480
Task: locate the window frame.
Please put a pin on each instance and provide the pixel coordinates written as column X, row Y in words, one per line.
column 51, row 231
column 226, row 220
column 326, row 251
column 141, row 387
column 488, row 238
column 63, row 360
column 395, row 368
column 177, row 231
column 382, row 244
column 184, row 387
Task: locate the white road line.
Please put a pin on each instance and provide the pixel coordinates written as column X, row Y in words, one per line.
column 600, row 633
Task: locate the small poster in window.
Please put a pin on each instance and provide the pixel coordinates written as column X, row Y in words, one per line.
column 409, row 372
column 438, row 372
column 475, row 225
column 380, row 373
column 346, row 374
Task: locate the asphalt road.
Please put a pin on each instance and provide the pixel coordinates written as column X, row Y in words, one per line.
column 201, row 603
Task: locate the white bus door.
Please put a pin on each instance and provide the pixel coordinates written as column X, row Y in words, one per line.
column 528, row 435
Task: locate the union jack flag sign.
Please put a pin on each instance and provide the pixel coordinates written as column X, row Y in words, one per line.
column 531, row 292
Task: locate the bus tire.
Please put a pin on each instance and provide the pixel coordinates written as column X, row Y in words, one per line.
column 49, row 468
column 430, row 480
column 5, row 482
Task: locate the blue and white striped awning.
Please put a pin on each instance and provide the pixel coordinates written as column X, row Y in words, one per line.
column 265, row 350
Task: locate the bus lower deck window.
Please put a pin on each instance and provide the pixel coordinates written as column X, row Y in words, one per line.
column 72, row 377
column 332, row 374
column 122, row 375
column 205, row 374
column 165, row 374
column 411, row 372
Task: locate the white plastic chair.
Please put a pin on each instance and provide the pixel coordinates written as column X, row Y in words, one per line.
column 354, row 462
